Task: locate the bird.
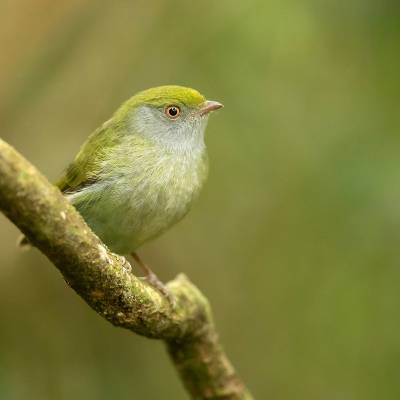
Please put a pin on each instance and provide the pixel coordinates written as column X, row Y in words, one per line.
column 140, row 172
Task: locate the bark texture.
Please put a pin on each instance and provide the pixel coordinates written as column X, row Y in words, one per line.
column 105, row 281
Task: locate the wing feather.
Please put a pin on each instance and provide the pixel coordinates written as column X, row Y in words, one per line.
column 87, row 167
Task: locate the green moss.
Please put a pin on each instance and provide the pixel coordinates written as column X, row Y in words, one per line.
column 103, row 281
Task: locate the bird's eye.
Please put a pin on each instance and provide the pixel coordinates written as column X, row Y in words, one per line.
column 172, row 112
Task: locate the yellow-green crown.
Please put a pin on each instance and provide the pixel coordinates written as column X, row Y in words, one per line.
column 163, row 95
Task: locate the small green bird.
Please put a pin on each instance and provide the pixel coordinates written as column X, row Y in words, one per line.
column 139, row 173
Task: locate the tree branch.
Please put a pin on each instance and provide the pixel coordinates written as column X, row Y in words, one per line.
column 105, row 281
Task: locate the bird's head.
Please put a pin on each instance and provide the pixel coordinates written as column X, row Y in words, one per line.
column 173, row 116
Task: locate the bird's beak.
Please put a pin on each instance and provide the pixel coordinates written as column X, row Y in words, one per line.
column 209, row 106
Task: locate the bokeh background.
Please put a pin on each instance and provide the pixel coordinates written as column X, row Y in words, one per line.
column 295, row 239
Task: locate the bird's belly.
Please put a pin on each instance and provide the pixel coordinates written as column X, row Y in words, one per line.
column 127, row 213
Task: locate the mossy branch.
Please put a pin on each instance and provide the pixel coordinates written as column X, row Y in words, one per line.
column 105, row 281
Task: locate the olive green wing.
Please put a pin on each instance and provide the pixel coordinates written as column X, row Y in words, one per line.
column 86, row 169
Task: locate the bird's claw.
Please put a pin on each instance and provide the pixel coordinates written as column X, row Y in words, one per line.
column 156, row 283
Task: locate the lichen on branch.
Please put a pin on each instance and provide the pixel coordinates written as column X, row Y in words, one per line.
column 105, row 281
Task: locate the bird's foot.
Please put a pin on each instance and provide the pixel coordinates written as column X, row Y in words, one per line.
column 154, row 281
column 157, row 284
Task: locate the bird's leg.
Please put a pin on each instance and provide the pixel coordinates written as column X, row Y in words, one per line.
column 153, row 279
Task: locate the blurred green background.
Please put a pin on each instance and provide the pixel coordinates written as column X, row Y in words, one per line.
column 295, row 237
